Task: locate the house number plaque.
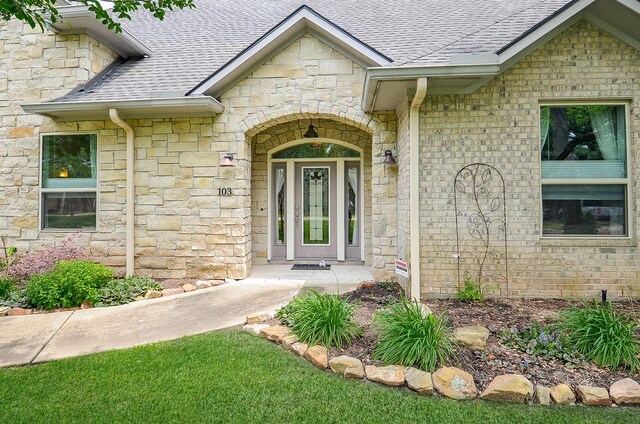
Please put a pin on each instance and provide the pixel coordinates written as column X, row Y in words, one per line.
column 225, row 191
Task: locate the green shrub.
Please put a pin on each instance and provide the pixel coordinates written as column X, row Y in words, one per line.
column 322, row 319
column 6, row 287
column 472, row 292
column 602, row 335
column 409, row 337
column 67, row 285
column 121, row 291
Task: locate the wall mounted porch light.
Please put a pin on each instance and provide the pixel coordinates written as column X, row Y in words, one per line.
column 226, row 161
column 388, row 158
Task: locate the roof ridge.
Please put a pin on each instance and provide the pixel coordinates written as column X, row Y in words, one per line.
column 480, row 30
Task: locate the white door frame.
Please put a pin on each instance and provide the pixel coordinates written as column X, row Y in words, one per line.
column 290, row 190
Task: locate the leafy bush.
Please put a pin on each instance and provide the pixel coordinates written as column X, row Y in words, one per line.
column 602, row 335
column 321, row 319
column 472, row 292
column 33, row 263
column 547, row 342
column 6, row 287
column 121, row 291
column 69, row 284
column 410, row 337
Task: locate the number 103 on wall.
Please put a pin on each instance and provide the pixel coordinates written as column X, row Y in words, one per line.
column 225, row 191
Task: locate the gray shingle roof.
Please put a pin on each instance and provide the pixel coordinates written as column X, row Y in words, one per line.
column 190, row 45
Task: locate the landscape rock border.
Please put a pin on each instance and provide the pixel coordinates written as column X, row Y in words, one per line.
column 151, row 294
column 448, row 381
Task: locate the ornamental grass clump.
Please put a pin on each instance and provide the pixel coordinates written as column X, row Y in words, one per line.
column 324, row 319
column 602, row 335
column 411, row 337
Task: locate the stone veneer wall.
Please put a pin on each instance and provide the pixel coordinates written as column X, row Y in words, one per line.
column 282, row 134
column 499, row 125
column 183, row 228
column 34, row 66
column 309, row 79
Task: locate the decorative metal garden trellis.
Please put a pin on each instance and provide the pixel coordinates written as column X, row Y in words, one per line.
column 481, row 227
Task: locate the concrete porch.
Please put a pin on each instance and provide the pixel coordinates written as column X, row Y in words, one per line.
column 338, row 279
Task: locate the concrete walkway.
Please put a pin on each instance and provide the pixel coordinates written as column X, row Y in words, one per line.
column 45, row 337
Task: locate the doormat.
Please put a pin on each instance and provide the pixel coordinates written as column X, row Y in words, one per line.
column 310, row 267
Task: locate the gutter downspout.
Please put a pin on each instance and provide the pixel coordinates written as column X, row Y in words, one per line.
column 414, row 186
column 130, row 199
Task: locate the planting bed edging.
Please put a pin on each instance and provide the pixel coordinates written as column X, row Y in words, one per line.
column 449, row 381
column 151, row 294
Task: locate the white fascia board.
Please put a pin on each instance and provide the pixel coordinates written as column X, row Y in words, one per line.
column 295, row 25
column 376, row 75
column 631, row 4
column 203, row 104
column 414, row 72
column 79, row 19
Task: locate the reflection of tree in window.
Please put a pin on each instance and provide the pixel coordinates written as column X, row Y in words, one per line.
column 583, row 142
column 69, row 163
column 71, row 154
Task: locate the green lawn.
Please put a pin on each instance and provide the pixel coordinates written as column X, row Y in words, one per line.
column 233, row 377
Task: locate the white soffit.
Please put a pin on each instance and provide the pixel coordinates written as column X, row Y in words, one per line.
column 302, row 20
column 79, row 20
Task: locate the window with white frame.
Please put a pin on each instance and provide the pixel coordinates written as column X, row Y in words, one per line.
column 69, row 181
column 584, row 170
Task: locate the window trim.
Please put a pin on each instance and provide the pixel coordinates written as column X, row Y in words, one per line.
column 626, row 182
column 42, row 190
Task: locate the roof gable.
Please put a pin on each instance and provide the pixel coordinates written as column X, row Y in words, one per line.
column 304, row 19
column 462, row 67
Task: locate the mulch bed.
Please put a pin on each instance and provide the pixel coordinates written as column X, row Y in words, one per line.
column 495, row 314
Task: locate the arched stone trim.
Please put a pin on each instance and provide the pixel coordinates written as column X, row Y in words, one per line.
column 280, row 134
column 256, row 123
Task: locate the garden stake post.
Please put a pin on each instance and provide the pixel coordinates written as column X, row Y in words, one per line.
column 481, row 198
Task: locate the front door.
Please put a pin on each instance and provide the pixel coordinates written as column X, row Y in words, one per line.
column 315, row 210
column 315, row 202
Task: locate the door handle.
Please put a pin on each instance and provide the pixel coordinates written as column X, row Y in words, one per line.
column 297, row 217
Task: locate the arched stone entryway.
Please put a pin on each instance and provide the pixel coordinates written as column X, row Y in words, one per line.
column 292, row 133
column 369, row 135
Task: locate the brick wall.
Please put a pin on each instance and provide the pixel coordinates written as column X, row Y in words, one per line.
column 499, row 125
